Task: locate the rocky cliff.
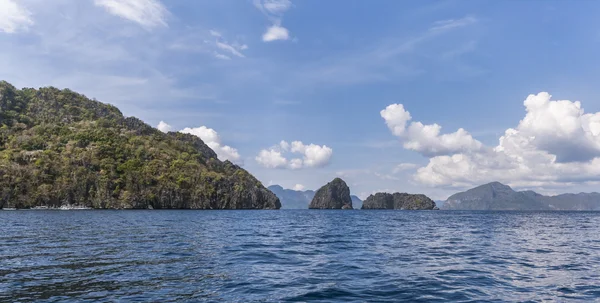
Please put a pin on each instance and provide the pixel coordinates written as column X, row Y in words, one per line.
column 401, row 201
column 333, row 195
column 59, row 148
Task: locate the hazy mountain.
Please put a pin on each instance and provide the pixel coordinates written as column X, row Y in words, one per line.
column 497, row 196
column 297, row 199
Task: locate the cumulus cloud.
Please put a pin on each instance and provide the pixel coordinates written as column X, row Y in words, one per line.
column 313, row 155
column 274, row 10
column 164, row 127
column 299, row 187
column 147, row 13
column 555, row 144
column 271, row 159
column 14, row 17
column 426, row 139
column 276, row 32
column 210, row 138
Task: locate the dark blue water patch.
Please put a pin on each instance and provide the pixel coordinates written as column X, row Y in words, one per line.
column 299, row 256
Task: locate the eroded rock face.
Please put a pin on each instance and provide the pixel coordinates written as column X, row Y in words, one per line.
column 401, row 201
column 334, row 195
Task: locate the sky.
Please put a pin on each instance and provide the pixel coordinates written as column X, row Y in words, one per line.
column 428, row 97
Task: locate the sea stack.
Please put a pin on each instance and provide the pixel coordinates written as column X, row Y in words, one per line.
column 334, row 195
column 398, row 201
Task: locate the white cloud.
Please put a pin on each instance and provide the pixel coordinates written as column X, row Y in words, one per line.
column 555, row 144
column 313, row 155
column 211, row 42
column 14, row 17
column 276, row 32
column 164, row 127
column 284, row 145
column 147, row 13
column 274, row 10
column 296, row 163
column 271, row 159
column 426, row 139
column 229, row 48
column 299, row 187
column 212, row 139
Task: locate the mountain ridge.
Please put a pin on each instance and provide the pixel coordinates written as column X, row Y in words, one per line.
column 498, row 196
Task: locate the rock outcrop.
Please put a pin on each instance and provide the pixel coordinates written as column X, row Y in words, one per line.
column 401, row 201
column 300, row 199
column 334, row 195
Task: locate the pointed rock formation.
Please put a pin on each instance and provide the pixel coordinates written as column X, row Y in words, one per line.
column 334, row 195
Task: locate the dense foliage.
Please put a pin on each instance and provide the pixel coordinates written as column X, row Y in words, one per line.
column 58, row 147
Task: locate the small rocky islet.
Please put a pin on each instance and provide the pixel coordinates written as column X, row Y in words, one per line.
column 336, row 195
column 333, row 195
column 401, row 201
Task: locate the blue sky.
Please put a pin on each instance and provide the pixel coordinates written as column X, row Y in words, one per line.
column 245, row 75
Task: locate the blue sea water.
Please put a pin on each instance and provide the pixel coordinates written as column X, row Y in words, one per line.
column 298, row 256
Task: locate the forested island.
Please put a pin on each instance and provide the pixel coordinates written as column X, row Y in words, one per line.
column 58, row 147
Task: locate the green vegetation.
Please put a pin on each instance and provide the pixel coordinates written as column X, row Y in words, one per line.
column 58, row 147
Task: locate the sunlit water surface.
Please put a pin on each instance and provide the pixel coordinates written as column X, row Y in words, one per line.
column 298, row 256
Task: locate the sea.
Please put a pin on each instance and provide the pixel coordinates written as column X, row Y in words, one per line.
column 298, row 256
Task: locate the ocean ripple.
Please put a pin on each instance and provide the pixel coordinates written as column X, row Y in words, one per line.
column 299, row 256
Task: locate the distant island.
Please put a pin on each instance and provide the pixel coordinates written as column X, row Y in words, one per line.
column 300, row 199
column 497, row 196
column 61, row 149
column 402, row 201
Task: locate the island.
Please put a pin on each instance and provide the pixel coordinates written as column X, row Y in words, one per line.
column 300, row 199
column 402, row 201
column 498, row 196
column 59, row 148
column 333, row 195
